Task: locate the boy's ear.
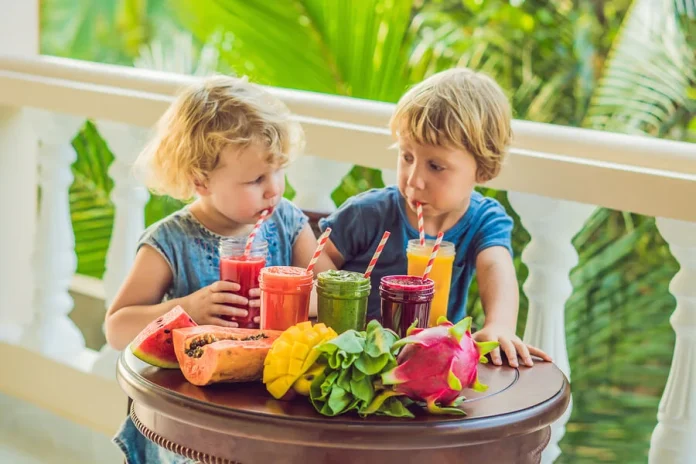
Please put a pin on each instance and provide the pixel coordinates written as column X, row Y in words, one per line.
column 482, row 176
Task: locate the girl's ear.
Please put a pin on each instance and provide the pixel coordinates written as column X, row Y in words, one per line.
column 201, row 186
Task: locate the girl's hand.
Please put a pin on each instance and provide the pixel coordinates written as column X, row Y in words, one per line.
column 255, row 301
column 510, row 344
column 206, row 305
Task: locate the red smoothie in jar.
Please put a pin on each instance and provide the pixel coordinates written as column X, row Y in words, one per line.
column 243, row 269
column 285, row 294
column 404, row 300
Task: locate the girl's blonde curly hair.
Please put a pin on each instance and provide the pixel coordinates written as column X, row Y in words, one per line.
column 206, row 117
column 458, row 108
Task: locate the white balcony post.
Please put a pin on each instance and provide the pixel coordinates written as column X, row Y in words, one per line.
column 550, row 256
column 54, row 260
column 19, row 34
column 314, row 179
column 129, row 197
column 18, row 148
column 674, row 438
column 389, row 176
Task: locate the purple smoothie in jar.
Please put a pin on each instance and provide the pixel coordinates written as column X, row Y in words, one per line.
column 404, row 300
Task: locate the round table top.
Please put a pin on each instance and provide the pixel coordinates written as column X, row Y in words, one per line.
column 518, row 401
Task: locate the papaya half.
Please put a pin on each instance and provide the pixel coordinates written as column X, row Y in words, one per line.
column 210, row 354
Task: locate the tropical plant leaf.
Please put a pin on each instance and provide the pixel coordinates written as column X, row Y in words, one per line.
column 91, row 209
column 107, row 31
column 366, row 41
column 177, row 52
column 77, row 27
column 261, row 47
column 651, row 69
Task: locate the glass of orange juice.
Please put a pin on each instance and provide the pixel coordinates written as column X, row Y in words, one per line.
column 418, row 256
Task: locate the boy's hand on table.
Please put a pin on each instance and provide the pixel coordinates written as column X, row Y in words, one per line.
column 510, row 343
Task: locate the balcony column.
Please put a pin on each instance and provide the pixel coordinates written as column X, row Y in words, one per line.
column 674, row 438
column 314, row 179
column 19, row 34
column 129, row 197
column 52, row 332
column 550, row 255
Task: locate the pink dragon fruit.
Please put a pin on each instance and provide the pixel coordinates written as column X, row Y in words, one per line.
column 437, row 363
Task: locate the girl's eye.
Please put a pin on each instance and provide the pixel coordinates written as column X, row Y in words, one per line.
column 407, row 157
column 436, row 167
column 258, row 180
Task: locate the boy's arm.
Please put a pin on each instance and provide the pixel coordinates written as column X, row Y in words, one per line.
column 333, row 253
column 499, row 294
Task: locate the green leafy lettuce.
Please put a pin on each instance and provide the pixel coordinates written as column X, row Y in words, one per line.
column 350, row 381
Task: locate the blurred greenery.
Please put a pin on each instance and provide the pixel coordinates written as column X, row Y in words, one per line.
column 618, row 65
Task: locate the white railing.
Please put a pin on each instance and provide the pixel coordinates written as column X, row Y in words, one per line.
column 556, row 176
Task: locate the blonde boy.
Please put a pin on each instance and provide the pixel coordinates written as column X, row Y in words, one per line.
column 452, row 132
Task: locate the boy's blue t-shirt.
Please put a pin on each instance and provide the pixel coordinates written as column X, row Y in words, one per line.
column 357, row 227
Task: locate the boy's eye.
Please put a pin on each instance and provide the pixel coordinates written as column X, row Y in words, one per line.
column 407, row 157
column 436, row 167
column 258, row 180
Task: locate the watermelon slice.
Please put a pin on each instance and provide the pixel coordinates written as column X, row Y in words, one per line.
column 154, row 344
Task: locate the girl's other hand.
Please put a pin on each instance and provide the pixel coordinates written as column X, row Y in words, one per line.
column 255, row 301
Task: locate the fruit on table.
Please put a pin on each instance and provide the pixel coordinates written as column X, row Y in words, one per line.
column 437, row 363
column 350, row 380
column 154, row 343
column 293, row 354
column 301, row 385
column 210, row 354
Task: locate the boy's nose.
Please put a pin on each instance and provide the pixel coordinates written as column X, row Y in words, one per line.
column 415, row 180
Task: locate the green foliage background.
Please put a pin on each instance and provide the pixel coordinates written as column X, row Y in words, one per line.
column 619, row 65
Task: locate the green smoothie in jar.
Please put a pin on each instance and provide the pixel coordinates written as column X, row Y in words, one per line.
column 342, row 300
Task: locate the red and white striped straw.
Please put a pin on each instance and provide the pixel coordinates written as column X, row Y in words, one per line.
column 421, row 228
column 322, row 241
column 378, row 252
column 254, row 231
column 436, row 248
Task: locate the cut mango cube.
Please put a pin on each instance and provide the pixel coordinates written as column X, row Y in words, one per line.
column 295, row 367
column 299, row 351
column 292, row 354
column 303, row 326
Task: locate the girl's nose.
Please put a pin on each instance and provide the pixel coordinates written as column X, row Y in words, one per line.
column 274, row 188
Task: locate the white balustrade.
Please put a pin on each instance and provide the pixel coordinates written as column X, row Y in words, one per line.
column 18, row 179
column 53, row 333
column 549, row 256
column 389, row 176
column 19, row 35
column 674, row 438
column 129, row 197
column 313, row 179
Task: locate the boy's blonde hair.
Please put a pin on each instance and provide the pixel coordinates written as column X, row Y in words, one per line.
column 458, row 108
column 206, row 117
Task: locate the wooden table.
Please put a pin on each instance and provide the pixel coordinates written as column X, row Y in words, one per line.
column 242, row 423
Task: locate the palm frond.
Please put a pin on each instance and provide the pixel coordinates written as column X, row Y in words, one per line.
column 91, row 209
column 650, row 69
